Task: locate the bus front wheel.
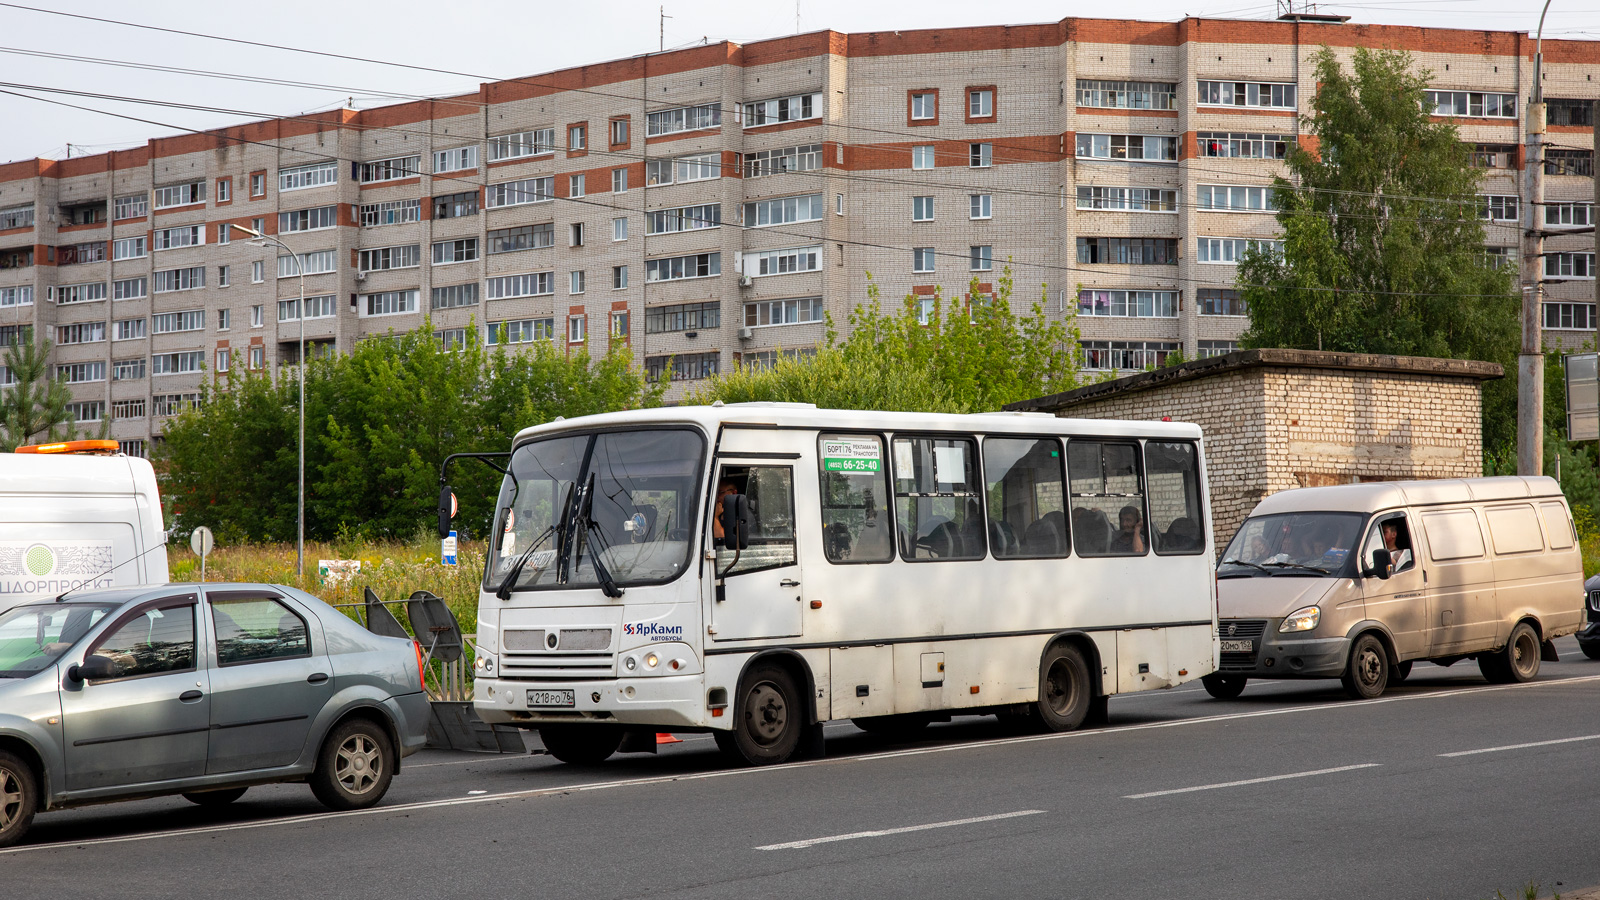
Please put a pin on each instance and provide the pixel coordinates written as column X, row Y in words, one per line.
column 1064, row 689
column 581, row 745
column 769, row 719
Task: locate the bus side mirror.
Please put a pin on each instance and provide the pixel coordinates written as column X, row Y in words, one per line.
column 447, row 510
column 1381, row 561
column 735, row 522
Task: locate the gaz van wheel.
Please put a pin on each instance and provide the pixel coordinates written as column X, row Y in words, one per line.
column 900, row 727
column 1401, row 672
column 354, row 767
column 1519, row 661
column 1590, row 649
column 19, row 799
column 1368, row 672
column 581, row 745
column 1224, row 687
column 768, row 718
column 213, row 799
column 1064, row 689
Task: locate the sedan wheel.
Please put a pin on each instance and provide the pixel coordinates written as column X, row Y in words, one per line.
column 19, row 799
column 355, row 766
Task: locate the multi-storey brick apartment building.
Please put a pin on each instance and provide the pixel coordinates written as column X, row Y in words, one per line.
column 705, row 206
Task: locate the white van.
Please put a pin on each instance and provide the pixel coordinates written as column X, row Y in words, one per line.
column 70, row 521
column 1359, row 581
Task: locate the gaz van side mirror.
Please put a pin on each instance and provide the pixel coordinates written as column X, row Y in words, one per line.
column 735, row 522
column 92, row 668
column 447, row 510
column 1381, row 562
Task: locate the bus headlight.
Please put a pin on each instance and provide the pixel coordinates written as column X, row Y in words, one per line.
column 651, row 660
column 484, row 665
column 1303, row 619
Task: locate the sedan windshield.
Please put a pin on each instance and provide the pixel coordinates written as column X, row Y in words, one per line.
column 1314, row 544
column 33, row 637
column 624, row 498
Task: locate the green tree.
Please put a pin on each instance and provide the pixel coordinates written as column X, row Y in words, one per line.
column 1382, row 241
column 35, row 405
column 970, row 355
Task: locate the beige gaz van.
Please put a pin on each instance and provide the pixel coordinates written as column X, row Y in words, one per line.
column 1359, row 581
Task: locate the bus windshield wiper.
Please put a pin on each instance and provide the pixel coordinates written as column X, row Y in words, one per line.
column 1294, row 565
column 595, row 536
column 1240, row 562
column 509, row 582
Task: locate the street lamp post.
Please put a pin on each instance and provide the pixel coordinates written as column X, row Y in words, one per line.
column 300, row 492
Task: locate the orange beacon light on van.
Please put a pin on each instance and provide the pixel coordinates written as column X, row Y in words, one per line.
column 92, row 448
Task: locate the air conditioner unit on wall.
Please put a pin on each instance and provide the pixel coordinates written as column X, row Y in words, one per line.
column 746, row 281
column 361, row 276
column 747, row 333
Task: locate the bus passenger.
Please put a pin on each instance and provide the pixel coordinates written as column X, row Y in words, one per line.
column 1130, row 533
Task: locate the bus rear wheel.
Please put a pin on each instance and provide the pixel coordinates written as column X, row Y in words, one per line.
column 581, row 745
column 1064, row 689
column 768, row 718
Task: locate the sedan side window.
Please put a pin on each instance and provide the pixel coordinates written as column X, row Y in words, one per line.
column 153, row 642
column 257, row 629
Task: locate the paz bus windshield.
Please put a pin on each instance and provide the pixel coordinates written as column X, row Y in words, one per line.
column 624, row 498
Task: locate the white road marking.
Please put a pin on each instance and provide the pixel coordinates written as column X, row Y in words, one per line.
column 1229, row 784
column 906, row 829
column 487, row 758
column 665, row 779
column 1570, row 740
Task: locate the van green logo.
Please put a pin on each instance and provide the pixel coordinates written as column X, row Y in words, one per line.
column 39, row 560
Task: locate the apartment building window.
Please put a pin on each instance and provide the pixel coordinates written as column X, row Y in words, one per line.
column 1209, row 349
column 677, row 268
column 680, row 218
column 320, row 307
column 88, row 252
column 453, row 206
column 224, row 319
column 405, row 256
column 129, row 330
column 783, row 262
column 172, row 323
column 297, row 178
column 619, row 227
column 1247, row 94
column 1569, row 162
column 129, row 288
column 922, row 259
column 1569, row 265
column 782, row 109
column 619, row 324
column 980, row 258
column 1569, row 112
column 257, row 318
column 1127, row 146
column 521, row 331
column 1569, row 316
column 22, row 295
column 128, row 248
column 1127, row 198
column 388, row 303
column 224, row 190
column 181, row 236
column 315, row 219
column 180, row 194
column 683, row 317
column 258, row 271
column 457, row 251
column 686, row 118
column 682, row 367
column 1471, row 103
column 1126, row 355
column 258, row 357
column 128, row 409
column 619, row 132
column 619, row 181
column 391, row 169
column 16, row 258
column 223, row 358
column 1234, row 198
column 575, row 237
column 81, row 373
column 456, row 159
column 525, row 237
column 698, row 167
column 133, row 206
column 924, row 106
column 81, row 333
column 258, row 225
column 922, row 209
column 1244, row 146
column 575, row 282
column 16, row 217
column 224, row 233
column 1497, row 207
column 534, row 142
column 577, row 328
column 799, row 158
column 794, row 311
column 393, row 212
column 258, row 184
column 1221, row 302
column 455, row 296
column 224, row 276
column 783, row 211
column 1229, row 251
column 186, row 363
column 577, row 137
column 1128, row 251
column 619, row 277
column 1127, row 94
column 317, row 262
column 922, row 156
column 1569, row 215
column 451, row 339
column 576, row 185
column 534, row 284
column 173, row 404
column 517, row 193
column 86, row 410
column 80, row 293
column 980, row 103
column 980, row 156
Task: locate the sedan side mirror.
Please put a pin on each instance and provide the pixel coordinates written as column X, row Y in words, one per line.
column 94, row 667
column 735, row 522
column 447, row 510
column 1381, row 561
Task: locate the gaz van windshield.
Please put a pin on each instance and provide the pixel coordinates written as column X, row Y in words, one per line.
column 628, row 497
column 33, row 637
column 1306, row 544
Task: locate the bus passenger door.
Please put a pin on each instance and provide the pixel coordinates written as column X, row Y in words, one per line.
column 758, row 590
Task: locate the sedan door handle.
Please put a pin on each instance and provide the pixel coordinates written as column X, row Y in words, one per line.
column 190, row 696
column 788, row 582
column 317, row 678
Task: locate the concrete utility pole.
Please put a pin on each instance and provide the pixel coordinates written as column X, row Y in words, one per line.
column 1594, row 130
column 1530, row 362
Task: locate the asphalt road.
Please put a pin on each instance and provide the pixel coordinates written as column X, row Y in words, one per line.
column 1444, row 788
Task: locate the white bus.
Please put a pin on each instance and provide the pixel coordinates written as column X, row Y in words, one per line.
column 888, row 568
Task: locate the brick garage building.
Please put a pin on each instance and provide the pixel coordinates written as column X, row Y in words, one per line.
column 1279, row 419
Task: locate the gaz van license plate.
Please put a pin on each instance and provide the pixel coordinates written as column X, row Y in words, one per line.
column 1227, row 647
column 551, row 698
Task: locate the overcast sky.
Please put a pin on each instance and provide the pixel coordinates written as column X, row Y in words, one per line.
column 492, row 40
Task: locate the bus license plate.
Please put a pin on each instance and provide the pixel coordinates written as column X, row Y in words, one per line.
column 1227, row 647
column 550, row 698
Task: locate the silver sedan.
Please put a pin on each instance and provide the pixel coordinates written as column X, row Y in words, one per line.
column 199, row 690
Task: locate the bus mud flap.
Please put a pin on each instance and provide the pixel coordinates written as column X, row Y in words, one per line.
column 811, row 743
column 638, row 740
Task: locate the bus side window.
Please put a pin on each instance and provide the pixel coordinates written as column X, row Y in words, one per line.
column 769, row 491
column 1027, row 515
column 1108, row 517
column 1172, row 475
column 937, row 498
column 855, row 498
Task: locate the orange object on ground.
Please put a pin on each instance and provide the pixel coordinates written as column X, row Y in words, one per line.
column 663, row 737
